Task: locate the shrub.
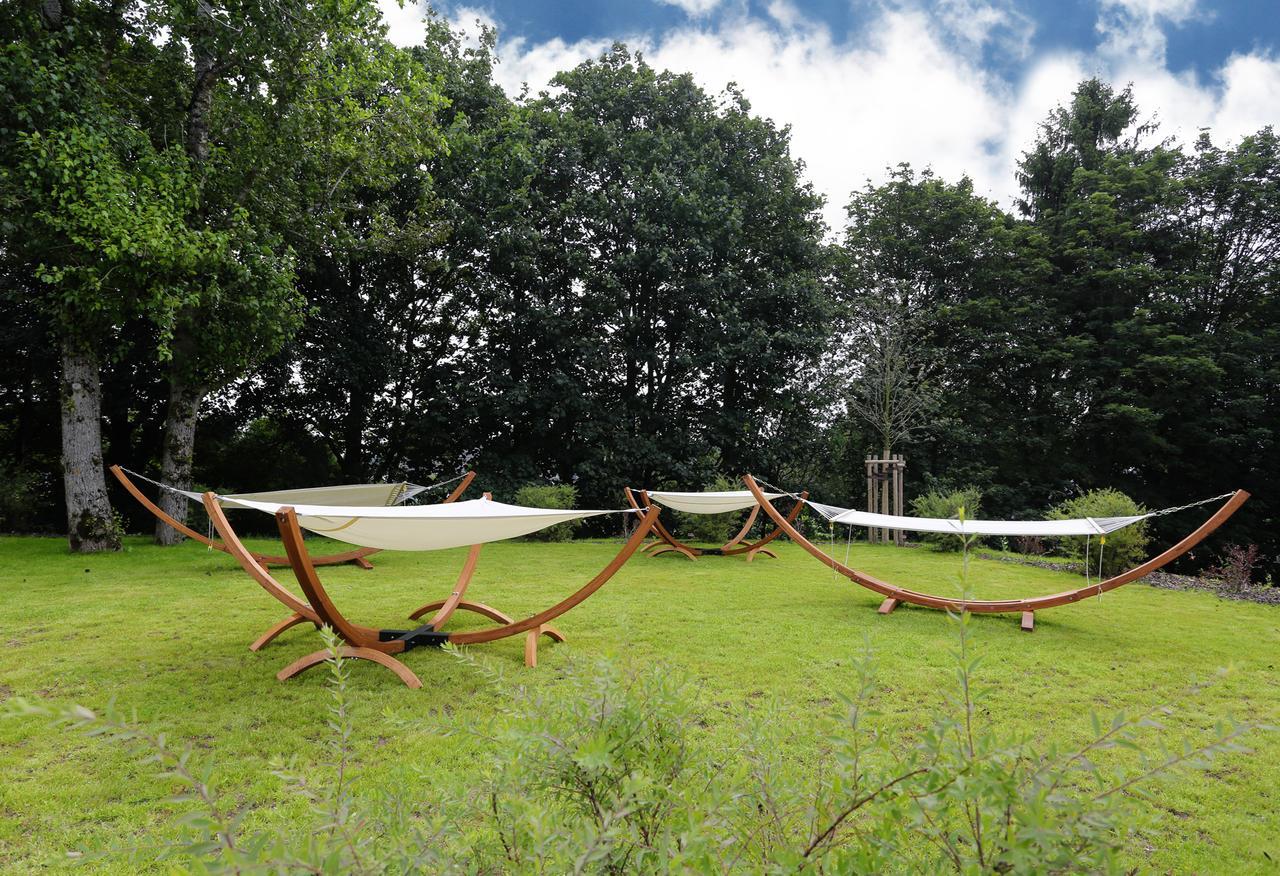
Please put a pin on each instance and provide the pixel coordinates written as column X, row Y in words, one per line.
column 550, row 496
column 1235, row 568
column 713, row 529
column 1123, row 549
column 20, row 491
column 945, row 505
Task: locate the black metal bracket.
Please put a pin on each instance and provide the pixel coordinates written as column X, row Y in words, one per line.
column 711, row 552
column 424, row 635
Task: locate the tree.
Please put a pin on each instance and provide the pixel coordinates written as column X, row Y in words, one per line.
column 680, row 289
column 289, row 114
column 94, row 232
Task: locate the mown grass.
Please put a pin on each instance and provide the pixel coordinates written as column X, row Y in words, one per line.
column 165, row 632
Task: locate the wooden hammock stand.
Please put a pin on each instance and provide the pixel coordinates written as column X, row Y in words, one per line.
column 377, row 645
column 668, row 543
column 894, row 595
column 357, row 556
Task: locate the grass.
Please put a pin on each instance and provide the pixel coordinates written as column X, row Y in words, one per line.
column 165, row 632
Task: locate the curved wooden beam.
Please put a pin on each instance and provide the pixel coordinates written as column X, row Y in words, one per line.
column 132, row 489
column 249, row 562
column 467, row 605
column 666, row 541
column 1027, row 606
column 276, row 629
column 544, row 617
column 742, row 533
column 758, row 547
column 302, row 664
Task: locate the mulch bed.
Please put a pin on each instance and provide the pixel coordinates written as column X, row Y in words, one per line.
column 1163, row 580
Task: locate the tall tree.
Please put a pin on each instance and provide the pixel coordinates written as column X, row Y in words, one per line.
column 94, row 228
column 289, row 112
column 685, row 290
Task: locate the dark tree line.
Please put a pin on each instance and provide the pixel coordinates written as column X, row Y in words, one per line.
column 356, row 262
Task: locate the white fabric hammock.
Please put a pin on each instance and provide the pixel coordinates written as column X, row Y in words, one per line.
column 363, row 495
column 345, row 494
column 709, row 502
column 1079, row 526
column 423, row 527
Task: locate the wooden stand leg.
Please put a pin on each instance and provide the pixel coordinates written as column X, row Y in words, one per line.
column 1028, row 621
column 466, row 605
column 670, row 547
column 888, row 605
column 316, row 658
column 531, row 642
column 276, row 629
column 363, row 563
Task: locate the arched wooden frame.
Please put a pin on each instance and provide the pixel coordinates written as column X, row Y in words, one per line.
column 302, row 612
column 1026, row 607
column 356, row 556
column 378, row 645
column 668, row 543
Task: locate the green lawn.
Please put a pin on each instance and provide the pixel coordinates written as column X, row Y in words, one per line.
column 165, row 632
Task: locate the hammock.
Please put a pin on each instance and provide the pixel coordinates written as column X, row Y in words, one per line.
column 952, row 526
column 345, row 494
column 408, row 528
column 708, row 502
column 361, row 495
column 422, row 527
column 1027, row 606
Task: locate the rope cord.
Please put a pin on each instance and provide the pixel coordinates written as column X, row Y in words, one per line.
column 1086, row 559
column 1163, row 511
column 1102, row 546
column 161, row 484
column 437, row 485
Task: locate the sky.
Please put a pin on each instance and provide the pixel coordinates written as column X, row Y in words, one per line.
column 956, row 85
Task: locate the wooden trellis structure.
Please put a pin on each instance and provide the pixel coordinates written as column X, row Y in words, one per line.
column 885, row 495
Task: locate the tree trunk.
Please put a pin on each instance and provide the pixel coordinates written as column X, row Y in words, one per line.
column 178, row 443
column 178, row 451
column 90, row 524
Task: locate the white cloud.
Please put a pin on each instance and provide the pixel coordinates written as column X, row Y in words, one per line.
column 404, row 23
column 693, row 7
column 911, row 85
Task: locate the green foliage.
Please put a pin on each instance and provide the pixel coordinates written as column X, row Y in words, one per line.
column 606, row 774
column 966, row 502
column 1124, row 548
column 550, row 496
column 20, row 496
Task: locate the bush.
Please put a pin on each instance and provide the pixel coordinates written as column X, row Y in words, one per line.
column 606, row 772
column 947, row 505
column 550, row 496
column 20, row 494
column 713, row 529
column 1124, row 548
column 1236, row 567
